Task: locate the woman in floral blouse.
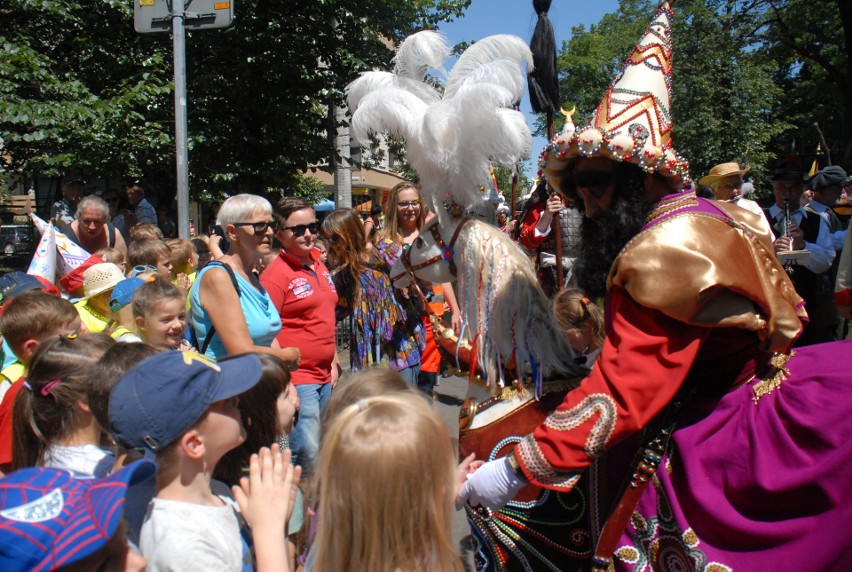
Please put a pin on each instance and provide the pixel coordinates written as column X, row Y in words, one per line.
column 382, row 331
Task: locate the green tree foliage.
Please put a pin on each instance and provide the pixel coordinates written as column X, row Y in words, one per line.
column 750, row 76
column 808, row 43
column 81, row 89
column 504, row 182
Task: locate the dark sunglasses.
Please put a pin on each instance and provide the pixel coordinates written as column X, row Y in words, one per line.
column 596, row 182
column 259, row 227
column 299, row 229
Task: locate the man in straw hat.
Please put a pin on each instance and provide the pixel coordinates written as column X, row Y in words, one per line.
column 701, row 318
column 726, row 183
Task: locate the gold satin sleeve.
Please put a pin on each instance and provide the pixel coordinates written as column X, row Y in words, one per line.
column 703, row 270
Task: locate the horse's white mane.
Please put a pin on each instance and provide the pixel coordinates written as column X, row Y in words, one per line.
column 451, row 136
column 506, row 311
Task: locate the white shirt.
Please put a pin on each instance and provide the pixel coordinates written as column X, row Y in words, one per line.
column 822, row 251
column 82, row 460
column 181, row 537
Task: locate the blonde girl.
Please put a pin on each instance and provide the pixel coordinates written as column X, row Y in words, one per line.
column 387, row 478
column 582, row 322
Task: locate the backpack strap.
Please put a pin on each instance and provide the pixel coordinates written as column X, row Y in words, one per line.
column 209, row 337
column 110, row 235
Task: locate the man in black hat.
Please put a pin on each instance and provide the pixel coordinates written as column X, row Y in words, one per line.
column 827, row 185
column 795, row 228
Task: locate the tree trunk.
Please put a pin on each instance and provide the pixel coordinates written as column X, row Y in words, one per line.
column 342, row 166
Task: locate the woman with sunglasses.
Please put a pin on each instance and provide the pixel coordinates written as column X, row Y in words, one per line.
column 383, row 332
column 406, row 215
column 303, row 294
column 231, row 312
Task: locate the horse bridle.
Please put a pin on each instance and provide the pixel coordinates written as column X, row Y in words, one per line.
column 447, row 252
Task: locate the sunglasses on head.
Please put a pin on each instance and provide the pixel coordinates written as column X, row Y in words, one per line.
column 299, row 229
column 596, row 182
column 259, row 227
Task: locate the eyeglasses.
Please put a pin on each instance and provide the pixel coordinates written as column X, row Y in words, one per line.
column 259, row 227
column 729, row 186
column 111, row 199
column 596, row 182
column 137, row 270
column 299, row 229
column 406, row 204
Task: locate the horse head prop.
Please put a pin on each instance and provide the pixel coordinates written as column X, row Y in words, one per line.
column 506, row 313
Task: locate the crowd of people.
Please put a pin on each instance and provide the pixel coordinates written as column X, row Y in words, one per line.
column 181, row 404
column 213, row 364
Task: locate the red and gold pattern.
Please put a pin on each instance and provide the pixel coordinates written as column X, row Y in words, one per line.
column 633, row 121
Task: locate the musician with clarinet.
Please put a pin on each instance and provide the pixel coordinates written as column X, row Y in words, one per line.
column 796, row 229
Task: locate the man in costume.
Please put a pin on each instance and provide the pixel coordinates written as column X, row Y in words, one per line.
column 744, row 444
column 552, row 215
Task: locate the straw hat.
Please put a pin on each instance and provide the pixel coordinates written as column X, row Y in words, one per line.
column 100, row 278
column 722, row 171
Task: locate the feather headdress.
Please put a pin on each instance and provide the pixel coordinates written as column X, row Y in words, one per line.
column 450, row 134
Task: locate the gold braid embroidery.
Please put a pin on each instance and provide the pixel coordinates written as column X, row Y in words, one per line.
column 773, row 378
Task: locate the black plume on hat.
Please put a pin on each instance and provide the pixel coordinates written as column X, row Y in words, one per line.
column 827, row 177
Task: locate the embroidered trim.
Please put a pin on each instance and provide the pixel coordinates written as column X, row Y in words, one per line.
column 601, row 431
column 539, row 467
column 676, row 202
column 773, row 378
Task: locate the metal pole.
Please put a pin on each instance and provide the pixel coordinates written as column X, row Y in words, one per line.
column 179, row 39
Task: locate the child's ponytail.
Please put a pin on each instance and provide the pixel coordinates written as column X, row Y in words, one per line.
column 47, row 407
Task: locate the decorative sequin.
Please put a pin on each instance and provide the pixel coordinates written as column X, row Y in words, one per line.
column 772, row 380
column 627, row 554
column 45, row 508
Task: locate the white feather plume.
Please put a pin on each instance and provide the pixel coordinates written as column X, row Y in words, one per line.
column 450, row 140
column 505, row 74
column 492, row 48
column 371, row 81
column 389, row 110
column 419, row 53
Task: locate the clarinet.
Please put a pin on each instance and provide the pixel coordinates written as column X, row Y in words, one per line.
column 788, row 266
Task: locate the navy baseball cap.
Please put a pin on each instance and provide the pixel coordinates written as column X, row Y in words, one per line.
column 50, row 519
column 162, row 396
column 17, row 282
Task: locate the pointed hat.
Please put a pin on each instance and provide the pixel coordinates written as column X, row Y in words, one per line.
column 633, row 122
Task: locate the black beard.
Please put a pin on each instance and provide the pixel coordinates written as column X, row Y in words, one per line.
column 605, row 236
